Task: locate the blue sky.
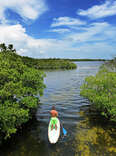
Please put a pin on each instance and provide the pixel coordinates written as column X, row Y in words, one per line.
column 60, row 28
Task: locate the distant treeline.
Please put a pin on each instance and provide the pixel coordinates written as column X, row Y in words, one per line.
column 85, row 59
column 63, row 59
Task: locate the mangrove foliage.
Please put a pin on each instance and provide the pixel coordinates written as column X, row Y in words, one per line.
column 19, row 84
column 101, row 90
column 49, row 63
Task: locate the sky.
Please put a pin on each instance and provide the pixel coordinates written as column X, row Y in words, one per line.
column 60, row 28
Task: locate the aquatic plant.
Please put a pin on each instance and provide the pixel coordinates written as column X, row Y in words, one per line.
column 92, row 139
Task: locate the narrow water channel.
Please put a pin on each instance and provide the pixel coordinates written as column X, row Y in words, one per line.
column 83, row 137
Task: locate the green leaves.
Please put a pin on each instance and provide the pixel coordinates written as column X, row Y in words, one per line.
column 29, row 102
column 49, row 63
column 101, row 91
column 12, row 116
column 6, row 49
column 18, row 86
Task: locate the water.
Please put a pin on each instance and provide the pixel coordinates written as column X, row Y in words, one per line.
column 63, row 91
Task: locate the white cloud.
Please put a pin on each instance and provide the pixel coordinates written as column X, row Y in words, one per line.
column 94, row 42
column 95, row 32
column 27, row 45
column 29, row 9
column 96, row 50
column 66, row 21
column 16, row 35
column 60, row 30
column 99, row 11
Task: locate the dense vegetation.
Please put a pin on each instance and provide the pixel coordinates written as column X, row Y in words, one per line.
column 49, row 63
column 18, row 86
column 54, row 63
column 101, row 90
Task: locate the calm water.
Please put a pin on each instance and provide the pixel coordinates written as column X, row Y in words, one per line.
column 84, row 138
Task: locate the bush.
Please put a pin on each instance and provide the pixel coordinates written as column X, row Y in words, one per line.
column 18, row 86
column 101, row 91
column 49, row 63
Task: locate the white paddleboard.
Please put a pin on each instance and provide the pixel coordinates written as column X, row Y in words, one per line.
column 53, row 134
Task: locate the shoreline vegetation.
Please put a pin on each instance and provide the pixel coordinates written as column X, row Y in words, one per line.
column 18, row 86
column 48, row 63
column 100, row 90
column 20, row 81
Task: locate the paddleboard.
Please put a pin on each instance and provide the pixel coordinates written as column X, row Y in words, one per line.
column 53, row 134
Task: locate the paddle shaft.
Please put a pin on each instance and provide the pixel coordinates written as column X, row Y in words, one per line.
column 63, row 129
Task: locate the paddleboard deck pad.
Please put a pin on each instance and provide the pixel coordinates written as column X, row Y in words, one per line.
column 54, row 130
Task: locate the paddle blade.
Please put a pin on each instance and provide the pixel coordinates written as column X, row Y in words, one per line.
column 64, row 131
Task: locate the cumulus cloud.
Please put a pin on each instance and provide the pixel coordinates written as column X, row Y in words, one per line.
column 99, row 11
column 95, row 41
column 67, row 21
column 29, row 46
column 60, row 30
column 16, row 35
column 29, row 9
column 95, row 32
column 96, row 50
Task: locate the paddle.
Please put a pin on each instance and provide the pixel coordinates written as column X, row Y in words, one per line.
column 63, row 129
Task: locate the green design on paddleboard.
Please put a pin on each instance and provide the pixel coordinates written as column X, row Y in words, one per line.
column 53, row 121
